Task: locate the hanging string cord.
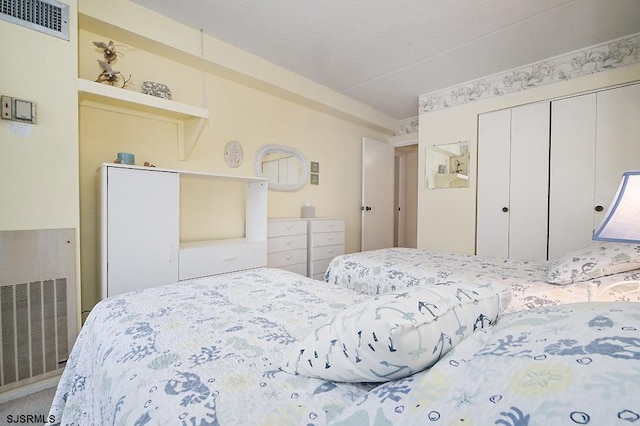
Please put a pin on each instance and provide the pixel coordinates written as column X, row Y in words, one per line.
column 202, row 71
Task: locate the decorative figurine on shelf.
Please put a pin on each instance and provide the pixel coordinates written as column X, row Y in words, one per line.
column 148, row 164
column 109, row 50
column 108, row 75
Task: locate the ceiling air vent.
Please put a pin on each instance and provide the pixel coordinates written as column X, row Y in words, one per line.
column 47, row 16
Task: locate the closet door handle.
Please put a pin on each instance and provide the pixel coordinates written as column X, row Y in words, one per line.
column 505, row 209
column 599, row 208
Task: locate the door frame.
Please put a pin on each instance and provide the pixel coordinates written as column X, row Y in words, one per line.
column 400, row 185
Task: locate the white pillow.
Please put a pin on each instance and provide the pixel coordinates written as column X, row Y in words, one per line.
column 594, row 261
column 396, row 334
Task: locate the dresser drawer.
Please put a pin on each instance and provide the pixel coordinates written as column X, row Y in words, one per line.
column 327, row 239
column 292, row 242
column 327, row 225
column 278, row 228
column 300, row 268
column 202, row 259
column 318, row 268
column 327, row 252
column 285, row 258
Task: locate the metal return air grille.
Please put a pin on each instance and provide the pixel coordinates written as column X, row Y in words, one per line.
column 47, row 16
column 33, row 327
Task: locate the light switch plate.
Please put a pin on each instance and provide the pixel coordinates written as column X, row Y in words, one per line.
column 18, row 110
column 6, row 107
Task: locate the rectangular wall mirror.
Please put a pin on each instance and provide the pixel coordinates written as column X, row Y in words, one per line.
column 447, row 166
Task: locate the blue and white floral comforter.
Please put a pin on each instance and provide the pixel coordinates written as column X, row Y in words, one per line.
column 385, row 270
column 203, row 352
column 572, row 364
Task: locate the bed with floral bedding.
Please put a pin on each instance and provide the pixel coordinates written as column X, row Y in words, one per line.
column 533, row 283
column 572, row 364
column 214, row 350
column 270, row 347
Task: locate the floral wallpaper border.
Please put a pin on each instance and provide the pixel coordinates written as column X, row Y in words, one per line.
column 408, row 126
column 603, row 57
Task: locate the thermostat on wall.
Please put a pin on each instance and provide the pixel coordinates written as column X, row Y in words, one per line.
column 18, row 110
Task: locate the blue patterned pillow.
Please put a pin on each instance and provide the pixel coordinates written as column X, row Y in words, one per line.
column 396, row 334
column 594, row 261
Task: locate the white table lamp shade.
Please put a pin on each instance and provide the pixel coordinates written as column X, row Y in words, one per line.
column 622, row 221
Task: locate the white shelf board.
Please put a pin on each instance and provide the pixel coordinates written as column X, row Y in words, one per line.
column 90, row 90
column 190, row 118
column 190, row 173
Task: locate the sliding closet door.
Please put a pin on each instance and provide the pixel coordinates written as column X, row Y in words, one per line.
column 573, row 155
column 618, row 141
column 594, row 139
column 494, row 152
column 513, row 182
column 529, row 182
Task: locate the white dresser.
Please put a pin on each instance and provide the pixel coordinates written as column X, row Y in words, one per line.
column 287, row 245
column 325, row 241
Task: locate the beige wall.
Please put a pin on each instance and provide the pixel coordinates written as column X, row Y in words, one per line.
column 39, row 172
column 238, row 111
column 446, row 218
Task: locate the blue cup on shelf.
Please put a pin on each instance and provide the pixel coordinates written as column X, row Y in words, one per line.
column 126, row 158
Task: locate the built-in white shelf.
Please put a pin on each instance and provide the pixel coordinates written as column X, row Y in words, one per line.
column 190, row 118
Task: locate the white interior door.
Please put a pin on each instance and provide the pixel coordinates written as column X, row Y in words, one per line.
column 398, row 201
column 377, row 194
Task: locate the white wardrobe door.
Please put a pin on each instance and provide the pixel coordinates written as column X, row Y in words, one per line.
column 618, row 141
column 529, row 194
column 143, row 229
column 571, row 193
column 492, row 223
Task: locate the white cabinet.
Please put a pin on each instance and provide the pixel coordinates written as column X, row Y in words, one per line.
column 326, row 241
column 513, row 181
column 287, row 245
column 209, row 257
column 139, row 228
column 140, row 243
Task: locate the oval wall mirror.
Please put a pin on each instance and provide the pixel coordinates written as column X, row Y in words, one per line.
column 284, row 166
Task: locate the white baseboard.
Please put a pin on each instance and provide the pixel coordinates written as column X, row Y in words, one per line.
column 25, row 390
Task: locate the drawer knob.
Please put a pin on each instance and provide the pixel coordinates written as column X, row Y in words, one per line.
column 330, row 251
column 288, row 226
column 287, row 242
column 330, row 224
column 288, row 257
column 229, row 258
column 330, row 237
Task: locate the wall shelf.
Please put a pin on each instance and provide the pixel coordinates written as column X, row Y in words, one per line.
column 190, row 119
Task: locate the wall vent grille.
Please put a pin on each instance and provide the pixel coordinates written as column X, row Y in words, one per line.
column 47, row 16
column 38, row 306
column 33, row 325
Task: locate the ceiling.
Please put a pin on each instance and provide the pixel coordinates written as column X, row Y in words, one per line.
column 386, row 54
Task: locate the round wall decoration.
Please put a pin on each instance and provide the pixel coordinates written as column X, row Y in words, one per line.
column 233, row 154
